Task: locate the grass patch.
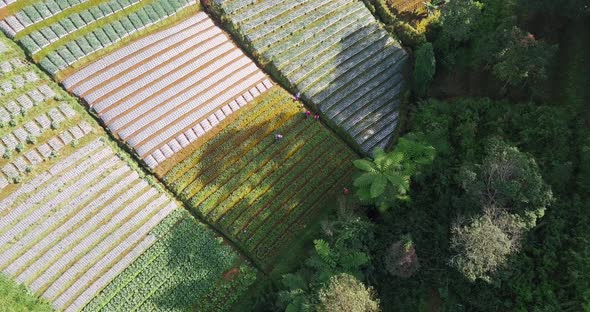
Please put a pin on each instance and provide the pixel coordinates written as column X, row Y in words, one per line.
column 14, row 297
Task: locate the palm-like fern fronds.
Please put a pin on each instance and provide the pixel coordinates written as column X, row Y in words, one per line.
column 386, row 178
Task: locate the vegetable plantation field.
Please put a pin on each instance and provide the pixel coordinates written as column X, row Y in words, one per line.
column 59, row 34
column 335, row 53
column 85, row 228
column 259, row 190
column 161, row 93
column 78, row 219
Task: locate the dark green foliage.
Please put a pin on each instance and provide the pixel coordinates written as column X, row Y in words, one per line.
column 547, row 258
column 522, row 59
column 486, row 36
column 385, row 179
column 342, row 250
column 424, row 68
column 460, row 18
column 565, row 8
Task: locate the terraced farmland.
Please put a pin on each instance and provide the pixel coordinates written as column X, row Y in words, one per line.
column 59, row 34
column 335, row 53
column 77, row 220
column 162, row 92
column 259, row 190
column 84, row 228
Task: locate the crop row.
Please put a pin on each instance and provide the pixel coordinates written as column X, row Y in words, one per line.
column 264, row 169
column 70, row 38
column 288, row 228
column 241, row 179
column 211, row 149
column 81, row 216
column 279, row 186
column 181, row 269
column 33, row 124
column 321, row 48
column 327, row 9
column 160, row 98
column 293, row 200
column 318, row 31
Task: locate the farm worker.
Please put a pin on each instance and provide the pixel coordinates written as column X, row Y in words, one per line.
column 278, row 137
column 316, row 117
column 307, row 114
column 297, row 96
column 346, row 191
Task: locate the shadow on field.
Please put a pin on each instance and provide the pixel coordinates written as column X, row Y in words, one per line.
column 361, row 91
column 196, row 261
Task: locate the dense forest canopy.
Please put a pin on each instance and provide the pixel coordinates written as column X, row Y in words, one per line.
column 481, row 204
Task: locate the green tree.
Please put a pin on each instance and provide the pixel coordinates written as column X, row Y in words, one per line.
column 484, row 244
column 510, row 180
column 459, row 19
column 424, row 68
column 509, row 191
column 565, row 8
column 522, row 59
column 343, row 249
column 346, row 293
column 385, row 179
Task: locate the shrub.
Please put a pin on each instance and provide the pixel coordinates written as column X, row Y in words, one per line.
column 401, row 259
column 407, row 34
column 346, row 293
column 424, row 69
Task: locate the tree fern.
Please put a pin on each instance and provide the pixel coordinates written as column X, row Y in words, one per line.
column 385, row 179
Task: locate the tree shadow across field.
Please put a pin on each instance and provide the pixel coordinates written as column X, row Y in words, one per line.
column 196, row 261
column 363, row 101
column 238, row 143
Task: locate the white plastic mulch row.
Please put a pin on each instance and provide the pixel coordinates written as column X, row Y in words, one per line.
column 180, row 66
column 22, row 164
column 338, row 49
column 42, row 230
column 190, row 135
column 126, row 69
column 70, row 230
column 153, row 41
column 34, row 184
column 138, row 238
column 4, row 3
column 207, row 79
column 178, row 121
column 162, row 92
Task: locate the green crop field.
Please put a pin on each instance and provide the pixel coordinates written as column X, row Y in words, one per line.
column 335, row 53
column 245, row 171
column 79, row 220
column 258, row 190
